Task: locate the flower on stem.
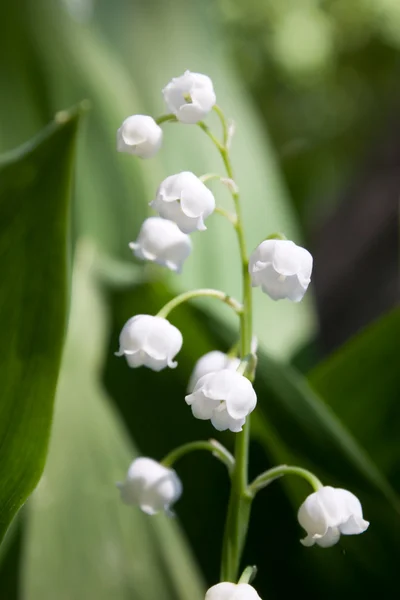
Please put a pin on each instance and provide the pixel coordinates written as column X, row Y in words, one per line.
column 281, row 268
column 149, row 341
column 232, row 591
column 190, row 97
column 139, row 135
column 161, row 241
column 328, row 513
column 225, row 397
column 151, row 486
column 184, row 199
column 210, row 362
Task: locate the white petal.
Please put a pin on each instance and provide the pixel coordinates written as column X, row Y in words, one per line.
column 221, row 591
column 151, row 341
column 286, row 259
column 330, row 538
column 232, row 591
column 197, row 200
column 218, row 385
column 313, row 516
column 202, row 407
column 198, row 88
column 221, row 420
column 212, row 361
column 242, row 398
column 161, row 241
column 140, row 135
column 354, row 525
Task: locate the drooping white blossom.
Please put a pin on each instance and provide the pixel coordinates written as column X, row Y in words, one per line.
column 232, row 591
column 151, row 486
column 329, row 513
column 149, row 341
column 225, row 397
column 184, row 199
column 281, row 268
column 210, row 362
column 139, row 135
column 190, row 97
column 161, row 241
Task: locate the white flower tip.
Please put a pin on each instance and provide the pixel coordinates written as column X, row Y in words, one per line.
column 139, row 135
column 190, row 97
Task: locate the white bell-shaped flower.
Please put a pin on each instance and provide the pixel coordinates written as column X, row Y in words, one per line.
column 149, row 341
column 139, row 135
column 184, row 199
column 281, row 268
column 190, row 97
column 162, row 241
column 232, row 591
column 151, row 486
column 210, row 362
column 328, row 513
column 225, row 397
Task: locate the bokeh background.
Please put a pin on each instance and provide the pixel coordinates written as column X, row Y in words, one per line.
column 313, row 87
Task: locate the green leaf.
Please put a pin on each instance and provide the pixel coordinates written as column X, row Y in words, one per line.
column 361, row 383
column 35, row 185
column 82, row 542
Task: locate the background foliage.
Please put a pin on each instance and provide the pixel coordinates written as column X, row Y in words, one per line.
column 312, row 86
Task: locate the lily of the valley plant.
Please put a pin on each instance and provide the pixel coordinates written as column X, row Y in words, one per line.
column 221, row 387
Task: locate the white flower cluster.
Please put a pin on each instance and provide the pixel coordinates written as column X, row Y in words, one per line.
column 217, row 391
column 182, row 201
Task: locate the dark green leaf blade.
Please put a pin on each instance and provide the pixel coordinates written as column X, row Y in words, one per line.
column 35, row 183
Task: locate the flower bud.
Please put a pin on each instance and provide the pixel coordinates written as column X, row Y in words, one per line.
column 139, row 135
column 225, row 397
column 210, row 362
column 151, row 486
column 190, row 97
column 282, row 269
column 232, row 591
column 149, row 341
column 328, row 513
column 161, row 241
column 184, row 199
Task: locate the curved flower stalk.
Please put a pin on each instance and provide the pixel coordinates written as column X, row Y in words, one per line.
column 221, row 386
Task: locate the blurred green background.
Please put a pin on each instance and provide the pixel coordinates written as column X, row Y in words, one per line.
column 313, row 87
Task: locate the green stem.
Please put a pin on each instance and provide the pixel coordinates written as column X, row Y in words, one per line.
column 210, row 293
column 238, row 516
column 248, row 574
column 217, row 450
column 166, row 118
column 271, row 475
